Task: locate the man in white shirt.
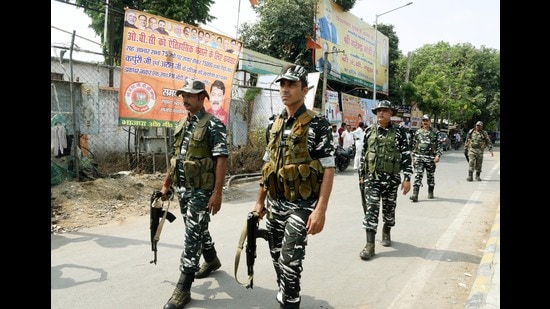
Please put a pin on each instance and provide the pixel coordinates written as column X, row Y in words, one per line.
column 347, row 138
column 358, row 134
column 335, row 135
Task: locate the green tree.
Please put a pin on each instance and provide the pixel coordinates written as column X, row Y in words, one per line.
column 459, row 83
column 281, row 30
column 396, row 74
column 486, row 66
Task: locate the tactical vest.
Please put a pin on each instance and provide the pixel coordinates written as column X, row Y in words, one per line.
column 196, row 169
column 477, row 140
column 382, row 152
column 290, row 171
column 426, row 142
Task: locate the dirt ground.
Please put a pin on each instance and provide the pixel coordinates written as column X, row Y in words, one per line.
column 78, row 205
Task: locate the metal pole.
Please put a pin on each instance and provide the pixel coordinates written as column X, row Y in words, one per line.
column 238, row 16
column 105, row 23
column 376, row 47
column 76, row 131
column 323, row 99
column 375, row 58
column 325, row 75
column 407, row 72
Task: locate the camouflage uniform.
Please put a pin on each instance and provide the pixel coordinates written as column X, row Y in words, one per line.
column 475, row 144
column 426, row 145
column 194, row 201
column 286, row 220
column 380, row 185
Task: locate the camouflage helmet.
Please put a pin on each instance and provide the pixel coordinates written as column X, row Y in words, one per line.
column 385, row 104
column 192, row 86
column 294, row 73
column 479, row 123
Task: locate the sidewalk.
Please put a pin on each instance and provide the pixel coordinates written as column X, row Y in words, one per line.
column 485, row 293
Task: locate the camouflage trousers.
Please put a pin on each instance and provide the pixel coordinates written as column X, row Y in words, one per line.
column 380, row 187
column 476, row 159
column 421, row 164
column 194, row 209
column 287, row 238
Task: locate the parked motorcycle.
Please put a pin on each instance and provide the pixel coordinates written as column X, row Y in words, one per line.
column 344, row 157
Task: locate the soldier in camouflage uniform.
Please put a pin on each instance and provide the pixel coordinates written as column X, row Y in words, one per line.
column 296, row 182
column 384, row 155
column 197, row 171
column 427, row 150
column 476, row 141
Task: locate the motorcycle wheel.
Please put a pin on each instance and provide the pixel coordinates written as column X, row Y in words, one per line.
column 342, row 166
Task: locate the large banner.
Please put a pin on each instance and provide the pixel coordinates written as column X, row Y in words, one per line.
column 158, row 54
column 368, row 106
column 332, row 108
column 337, row 30
column 353, row 110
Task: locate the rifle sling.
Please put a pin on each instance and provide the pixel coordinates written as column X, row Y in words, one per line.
column 161, row 224
column 238, row 255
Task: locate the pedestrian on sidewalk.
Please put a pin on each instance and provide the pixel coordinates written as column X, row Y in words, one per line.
column 358, row 135
column 341, row 130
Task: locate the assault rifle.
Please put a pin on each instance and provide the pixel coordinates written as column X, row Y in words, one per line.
column 157, row 217
column 250, row 232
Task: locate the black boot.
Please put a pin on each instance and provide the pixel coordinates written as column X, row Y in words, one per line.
column 414, row 196
column 386, row 239
column 430, row 192
column 368, row 251
column 470, row 176
column 477, row 176
column 287, row 305
column 211, row 263
column 182, row 292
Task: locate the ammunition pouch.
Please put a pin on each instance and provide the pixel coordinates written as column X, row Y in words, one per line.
column 293, row 180
column 199, row 173
column 424, row 148
column 176, row 168
column 476, row 144
column 269, row 177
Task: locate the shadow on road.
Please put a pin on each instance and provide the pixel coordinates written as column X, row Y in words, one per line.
column 408, row 250
column 221, row 290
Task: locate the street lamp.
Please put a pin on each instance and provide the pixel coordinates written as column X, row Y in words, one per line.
column 325, row 67
column 376, row 47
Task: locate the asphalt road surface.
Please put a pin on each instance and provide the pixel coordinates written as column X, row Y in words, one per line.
column 437, row 247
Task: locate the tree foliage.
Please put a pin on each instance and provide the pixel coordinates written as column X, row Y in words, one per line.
column 395, row 93
column 281, row 30
column 459, row 83
column 346, row 4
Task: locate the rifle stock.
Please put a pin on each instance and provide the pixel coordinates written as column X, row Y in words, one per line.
column 157, row 216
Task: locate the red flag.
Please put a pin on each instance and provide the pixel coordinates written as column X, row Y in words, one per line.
column 253, row 2
column 311, row 44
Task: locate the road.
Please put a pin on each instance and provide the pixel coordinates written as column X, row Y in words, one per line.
column 437, row 247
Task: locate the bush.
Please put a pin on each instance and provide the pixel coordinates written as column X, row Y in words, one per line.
column 245, row 160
